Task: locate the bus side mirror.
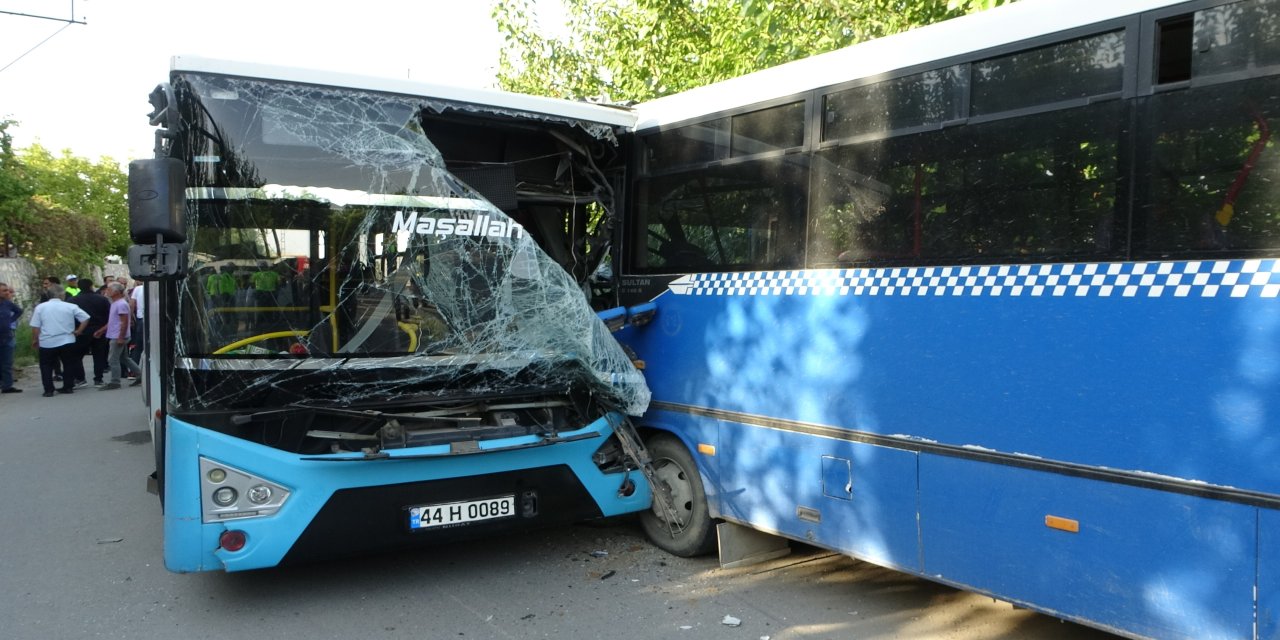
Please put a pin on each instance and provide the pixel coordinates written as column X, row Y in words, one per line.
column 157, row 219
column 157, row 200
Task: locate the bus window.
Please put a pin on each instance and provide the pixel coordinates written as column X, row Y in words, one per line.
column 1045, row 186
column 745, row 216
column 692, row 144
column 768, row 130
column 1072, row 70
column 930, row 98
column 1213, row 170
column 1234, row 37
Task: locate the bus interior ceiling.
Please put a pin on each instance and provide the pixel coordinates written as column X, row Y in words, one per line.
column 547, row 176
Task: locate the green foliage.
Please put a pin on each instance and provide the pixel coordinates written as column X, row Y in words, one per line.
column 24, row 355
column 633, row 50
column 15, row 191
column 63, row 213
column 95, row 190
column 58, row 240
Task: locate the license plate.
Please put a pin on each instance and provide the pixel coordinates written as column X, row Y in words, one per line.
column 450, row 514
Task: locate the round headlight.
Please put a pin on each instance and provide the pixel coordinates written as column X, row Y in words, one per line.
column 259, row 494
column 224, row 497
column 217, row 475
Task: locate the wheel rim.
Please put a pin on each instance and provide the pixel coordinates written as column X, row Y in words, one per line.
column 675, row 481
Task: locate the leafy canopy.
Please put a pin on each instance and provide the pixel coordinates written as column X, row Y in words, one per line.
column 15, row 191
column 635, row 50
column 63, row 213
column 96, row 190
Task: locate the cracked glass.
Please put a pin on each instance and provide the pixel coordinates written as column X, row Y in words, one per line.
column 336, row 262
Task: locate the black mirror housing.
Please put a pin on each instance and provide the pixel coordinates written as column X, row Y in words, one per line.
column 157, row 200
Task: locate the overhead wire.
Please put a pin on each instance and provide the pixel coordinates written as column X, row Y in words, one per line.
column 38, row 45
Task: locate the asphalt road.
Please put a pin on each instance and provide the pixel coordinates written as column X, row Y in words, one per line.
column 80, row 549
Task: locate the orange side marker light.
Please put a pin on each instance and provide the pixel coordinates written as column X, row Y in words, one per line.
column 1062, row 524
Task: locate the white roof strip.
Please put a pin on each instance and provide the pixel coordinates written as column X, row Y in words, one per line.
column 601, row 114
column 340, row 197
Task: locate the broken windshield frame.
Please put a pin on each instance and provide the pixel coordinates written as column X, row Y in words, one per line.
column 325, row 228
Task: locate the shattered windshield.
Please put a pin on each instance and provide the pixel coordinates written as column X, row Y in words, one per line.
column 333, row 256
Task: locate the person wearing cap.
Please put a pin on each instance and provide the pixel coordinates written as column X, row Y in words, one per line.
column 72, row 287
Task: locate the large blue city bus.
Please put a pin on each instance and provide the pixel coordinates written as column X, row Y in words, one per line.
column 992, row 302
column 368, row 317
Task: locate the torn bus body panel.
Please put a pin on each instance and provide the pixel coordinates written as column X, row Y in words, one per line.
column 340, row 258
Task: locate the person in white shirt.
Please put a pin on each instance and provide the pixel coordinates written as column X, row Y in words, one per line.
column 138, row 303
column 55, row 324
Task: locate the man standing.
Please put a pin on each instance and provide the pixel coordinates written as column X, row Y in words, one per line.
column 138, row 303
column 49, row 282
column 45, row 287
column 9, row 314
column 93, row 341
column 54, row 331
column 118, row 321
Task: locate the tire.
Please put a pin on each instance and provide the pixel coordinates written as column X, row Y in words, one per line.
column 693, row 532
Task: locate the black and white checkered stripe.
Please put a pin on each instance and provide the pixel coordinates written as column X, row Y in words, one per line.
column 1205, row 279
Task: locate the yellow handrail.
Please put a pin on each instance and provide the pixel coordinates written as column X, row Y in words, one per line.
column 412, row 330
column 259, row 338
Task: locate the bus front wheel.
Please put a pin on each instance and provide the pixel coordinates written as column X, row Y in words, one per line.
column 679, row 522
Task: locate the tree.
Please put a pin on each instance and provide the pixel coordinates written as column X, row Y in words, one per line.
column 15, row 192
column 96, row 190
column 58, row 240
column 634, row 50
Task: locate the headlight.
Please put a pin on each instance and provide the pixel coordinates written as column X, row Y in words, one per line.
column 224, row 497
column 259, row 494
column 223, row 486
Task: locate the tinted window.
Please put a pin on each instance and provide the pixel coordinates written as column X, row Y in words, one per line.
column 1236, row 36
column 1070, row 70
column 745, row 216
column 932, row 97
column 1039, row 187
column 1213, row 179
column 768, row 129
column 1173, row 50
column 688, row 145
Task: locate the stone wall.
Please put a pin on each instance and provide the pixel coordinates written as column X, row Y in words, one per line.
column 22, row 276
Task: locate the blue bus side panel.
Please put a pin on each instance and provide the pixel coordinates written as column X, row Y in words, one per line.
column 1268, row 573
column 1152, row 563
column 188, row 544
column 864, row 496
column 1177, row 385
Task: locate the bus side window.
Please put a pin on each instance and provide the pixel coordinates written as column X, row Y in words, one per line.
column 1211, row 167
column 745, row 216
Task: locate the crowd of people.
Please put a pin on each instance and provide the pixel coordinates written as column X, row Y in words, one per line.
column 75, row 319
